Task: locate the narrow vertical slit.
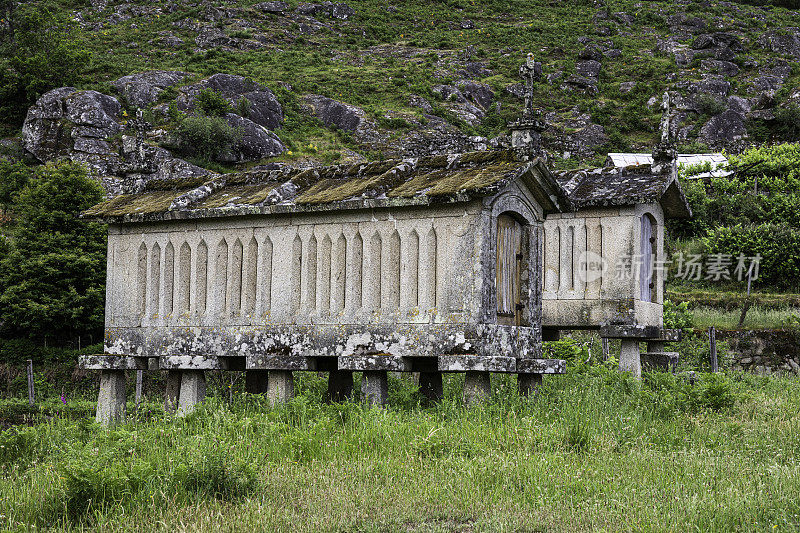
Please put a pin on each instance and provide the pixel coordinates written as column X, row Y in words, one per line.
column 169, row 278
column 339, row 275
column 141, row 277
column 201, row 278
column 155, row 279
column 266, row 275
column 250, row 283
column 184, row 278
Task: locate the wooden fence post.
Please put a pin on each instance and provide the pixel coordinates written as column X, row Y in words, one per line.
column 712, row 338
column 605, row 348
column 31, row 396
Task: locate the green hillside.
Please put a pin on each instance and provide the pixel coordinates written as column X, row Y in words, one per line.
column 382, row 56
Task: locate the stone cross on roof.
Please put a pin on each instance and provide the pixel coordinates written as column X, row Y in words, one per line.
column 531, row 72
column 664, row 152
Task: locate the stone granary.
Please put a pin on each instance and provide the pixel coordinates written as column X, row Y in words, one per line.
column 604, row 263
column 426, row 265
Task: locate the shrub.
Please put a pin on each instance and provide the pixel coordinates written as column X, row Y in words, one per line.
column 212, row 103
column 18, row 447
column 713, row 392
column 778, row 245
column 38, row 52
column 98, row 483
column 708, row 104
column 52, row 278
column 787, row 123
column 677, row 315
column 205, row 136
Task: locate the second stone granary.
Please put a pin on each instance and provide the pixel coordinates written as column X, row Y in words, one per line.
column 432, row 264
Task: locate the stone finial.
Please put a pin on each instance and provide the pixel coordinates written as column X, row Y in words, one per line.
column 664, row 153
column 531, row 72
column 526, row 136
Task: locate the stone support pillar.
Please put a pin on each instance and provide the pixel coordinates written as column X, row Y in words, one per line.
column 280, row 386
column 172, row 391
column 375, row 387
column 256, row 381
column 340, row 385
column 528, row 383
column 111, row 400
column 477, row 388
column 193, row 390
column 630, row 358
column 430, row 385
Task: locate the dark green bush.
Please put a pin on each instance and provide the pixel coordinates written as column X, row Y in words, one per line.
column 205, row 136
column 212, row 103
column 714, row 391
column 778, row 245
column 709, row 104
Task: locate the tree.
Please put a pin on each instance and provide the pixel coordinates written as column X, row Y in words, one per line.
column 38, row 52
column 52, row 276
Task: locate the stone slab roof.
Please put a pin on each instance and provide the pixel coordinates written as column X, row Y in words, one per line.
column 608, row 186
column 419, row 181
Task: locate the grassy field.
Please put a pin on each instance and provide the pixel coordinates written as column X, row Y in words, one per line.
column 595, row 450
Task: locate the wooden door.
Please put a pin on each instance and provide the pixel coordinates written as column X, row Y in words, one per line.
column 648, row 249
column 509, row 266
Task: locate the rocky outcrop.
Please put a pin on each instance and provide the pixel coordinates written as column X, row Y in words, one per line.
column 263, row 107
column 334, row 113
column 336, row 11
column 255, row 143
column 785, row 42
column 724, row 128
column 142, row 90
column 77, row 125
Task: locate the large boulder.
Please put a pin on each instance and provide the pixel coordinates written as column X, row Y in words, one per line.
column 264, row 108
column 727, row 127
column 255, row 143
column 72, row 124
column 334, row 113
column 142, row 90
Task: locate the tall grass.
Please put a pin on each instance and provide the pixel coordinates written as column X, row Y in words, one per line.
column 594, row 450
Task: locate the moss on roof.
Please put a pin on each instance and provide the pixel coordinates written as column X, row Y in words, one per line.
column 430, row 176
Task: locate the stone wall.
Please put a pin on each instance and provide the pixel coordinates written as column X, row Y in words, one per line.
column 763, row 351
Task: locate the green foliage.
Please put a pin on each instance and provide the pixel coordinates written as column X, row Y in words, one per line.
column 714, row 392
column 212, row 103
column 677, row 315
column 578, row 437
column 18, row 447
column 777, row 244
column 52, row 277
column 14, row 175
column 38, row 52
column 219, row 476
column 96, row 484
column 567, row 348
column 709, row 104
column 205, row 136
